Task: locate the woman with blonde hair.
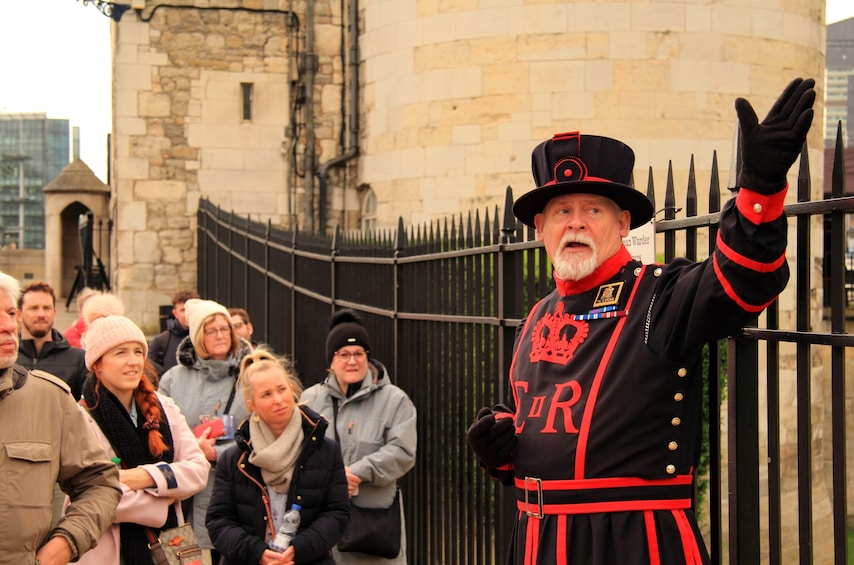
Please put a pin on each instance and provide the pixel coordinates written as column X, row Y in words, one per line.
column 145, row 434
column 282, row 458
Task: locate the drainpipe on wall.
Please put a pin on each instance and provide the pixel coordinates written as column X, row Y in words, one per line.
column 310, row 64
column 353, row 150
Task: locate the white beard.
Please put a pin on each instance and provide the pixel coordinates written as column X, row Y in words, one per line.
column 576, row 267
column 6, row 362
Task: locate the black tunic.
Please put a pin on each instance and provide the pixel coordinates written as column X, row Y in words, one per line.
column 606, row 394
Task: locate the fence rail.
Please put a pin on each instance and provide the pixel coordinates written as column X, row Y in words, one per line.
column 442, row 302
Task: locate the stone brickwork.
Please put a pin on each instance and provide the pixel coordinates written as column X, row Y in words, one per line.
column 179, row 132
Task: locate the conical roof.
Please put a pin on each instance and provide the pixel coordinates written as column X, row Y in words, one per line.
column 76, row 177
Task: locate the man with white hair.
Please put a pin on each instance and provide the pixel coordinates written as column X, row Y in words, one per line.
column 46, row 440
column 600, row 435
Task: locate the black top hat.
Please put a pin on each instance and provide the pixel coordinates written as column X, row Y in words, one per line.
column 571, row 163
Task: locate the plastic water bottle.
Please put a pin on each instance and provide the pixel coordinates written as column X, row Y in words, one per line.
column 287, row 529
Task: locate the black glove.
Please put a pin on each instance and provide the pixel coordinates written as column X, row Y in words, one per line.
column 769, row 149
column 493, row 441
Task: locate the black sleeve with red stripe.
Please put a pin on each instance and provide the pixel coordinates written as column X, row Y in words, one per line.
column 695, row 303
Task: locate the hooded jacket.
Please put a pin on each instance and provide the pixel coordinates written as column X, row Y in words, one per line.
column 377, row 434
column 376, row 429
column 58, row 358
column 39, row 451
column 203, row 387
column 238, row 516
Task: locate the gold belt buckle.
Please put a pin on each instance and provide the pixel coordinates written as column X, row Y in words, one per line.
column 539, row 485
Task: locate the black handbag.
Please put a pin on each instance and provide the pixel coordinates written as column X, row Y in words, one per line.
column 375, row 531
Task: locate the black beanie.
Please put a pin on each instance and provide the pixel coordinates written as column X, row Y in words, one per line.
column 346, row 329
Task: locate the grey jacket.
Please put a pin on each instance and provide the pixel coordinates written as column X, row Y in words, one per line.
column 376, row 428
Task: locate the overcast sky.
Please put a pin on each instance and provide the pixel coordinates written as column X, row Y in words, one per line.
column 56, row 60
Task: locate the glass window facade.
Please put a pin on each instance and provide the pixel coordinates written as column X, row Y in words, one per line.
column 33, row 151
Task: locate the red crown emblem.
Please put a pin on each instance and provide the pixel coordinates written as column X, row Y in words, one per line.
column 556, row 337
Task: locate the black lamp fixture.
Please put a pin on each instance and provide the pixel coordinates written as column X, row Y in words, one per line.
column 112, row 10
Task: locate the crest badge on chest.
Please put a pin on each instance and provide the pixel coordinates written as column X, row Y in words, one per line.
column 608, row 295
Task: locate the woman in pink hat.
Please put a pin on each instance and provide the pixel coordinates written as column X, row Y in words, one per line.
column 145, row 434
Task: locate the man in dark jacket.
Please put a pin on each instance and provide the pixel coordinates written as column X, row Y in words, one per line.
column 42, row 346
column 162, row 351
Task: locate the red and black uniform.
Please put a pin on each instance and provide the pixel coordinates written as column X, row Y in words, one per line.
column 606, row 395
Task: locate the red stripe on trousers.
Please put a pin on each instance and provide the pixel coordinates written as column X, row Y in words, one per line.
column 689, row 542
column 651, row 538
column 532, row 540
column 560, row 550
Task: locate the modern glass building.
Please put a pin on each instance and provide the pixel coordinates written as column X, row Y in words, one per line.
column 33, row 151
column 839, row 105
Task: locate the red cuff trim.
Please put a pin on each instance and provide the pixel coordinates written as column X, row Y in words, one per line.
column 732, row 294
column 746, row 262
column 760, row 208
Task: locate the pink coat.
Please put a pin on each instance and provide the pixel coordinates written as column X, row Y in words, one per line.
column 149, row 507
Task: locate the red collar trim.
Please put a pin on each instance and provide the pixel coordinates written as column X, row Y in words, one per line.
column 603, row 273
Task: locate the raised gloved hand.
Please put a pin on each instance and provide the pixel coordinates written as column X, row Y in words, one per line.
column 492, row 440
column 769, row 149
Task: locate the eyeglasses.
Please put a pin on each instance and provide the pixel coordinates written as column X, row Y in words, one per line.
column 345, row 356
column 218, row 331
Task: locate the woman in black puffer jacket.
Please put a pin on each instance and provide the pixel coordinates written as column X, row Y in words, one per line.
column 281, row 458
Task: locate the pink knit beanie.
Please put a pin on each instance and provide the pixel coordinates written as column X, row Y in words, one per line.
column 105, row 333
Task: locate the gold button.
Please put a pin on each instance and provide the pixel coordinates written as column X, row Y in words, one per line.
column 671, row 469
column 637, row 271
column 657, row 271
column 678, row 397
column 757, row 208
column 676, row 421
column 682, row 371
column 672, row 446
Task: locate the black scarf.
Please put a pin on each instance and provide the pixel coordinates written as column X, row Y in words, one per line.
column 131, row 444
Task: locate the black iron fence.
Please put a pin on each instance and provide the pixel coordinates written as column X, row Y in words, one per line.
column 442, row 301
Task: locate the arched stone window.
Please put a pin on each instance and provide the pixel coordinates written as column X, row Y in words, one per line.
column 369, row 211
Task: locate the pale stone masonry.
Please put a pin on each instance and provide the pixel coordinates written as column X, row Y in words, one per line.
column 453, row 95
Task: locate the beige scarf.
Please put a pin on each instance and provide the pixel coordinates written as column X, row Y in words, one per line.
column 276, row 457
